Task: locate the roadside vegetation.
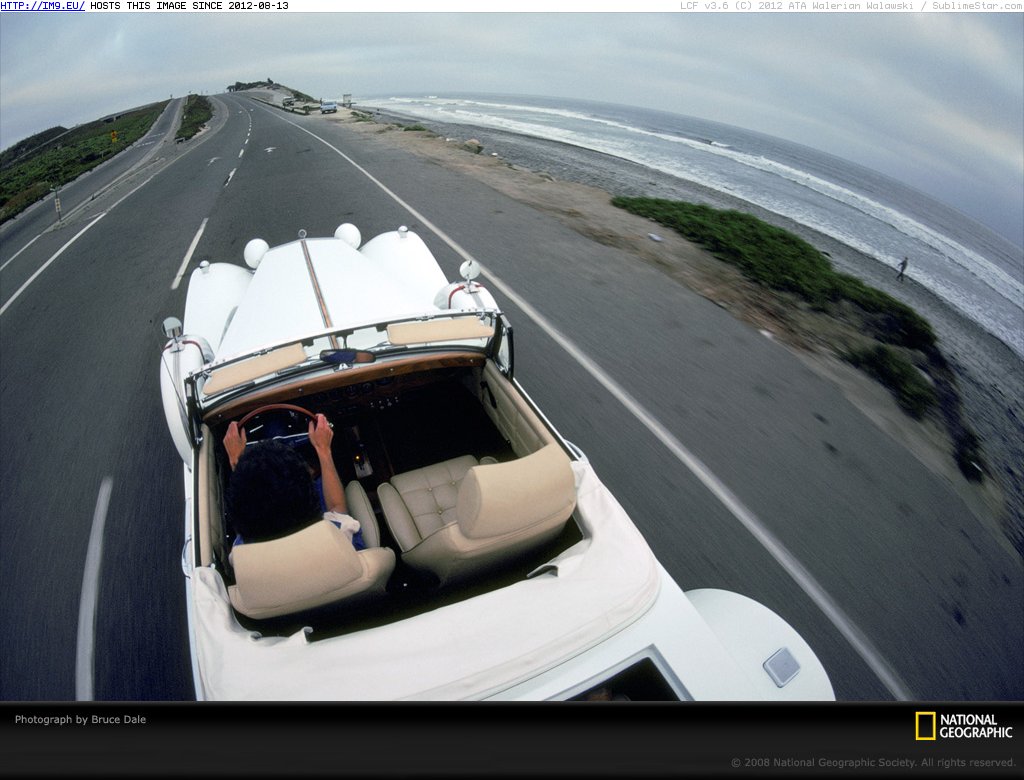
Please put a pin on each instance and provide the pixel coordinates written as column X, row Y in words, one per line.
column 876, row 333
column 780, row 260
column 238, row 86
column 31, row 168
column 912, row 392
column 197, row 112
column 296, row 95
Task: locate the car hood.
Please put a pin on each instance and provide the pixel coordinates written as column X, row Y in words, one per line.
column 312, row 285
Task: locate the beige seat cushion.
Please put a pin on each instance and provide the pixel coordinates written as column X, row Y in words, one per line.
column 512, row 498
column 310, row 568
column 361, row 509
column 420, row 502
column 499, row 511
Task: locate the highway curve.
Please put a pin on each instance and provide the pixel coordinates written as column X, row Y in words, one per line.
column 743, row 469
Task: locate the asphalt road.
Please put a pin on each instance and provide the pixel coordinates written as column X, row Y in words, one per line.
column 879, row 544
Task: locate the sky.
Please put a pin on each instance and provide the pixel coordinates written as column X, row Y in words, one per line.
column 934, row 100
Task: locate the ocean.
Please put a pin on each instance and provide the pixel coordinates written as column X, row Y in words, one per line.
column 964, row 278
column 968, row 266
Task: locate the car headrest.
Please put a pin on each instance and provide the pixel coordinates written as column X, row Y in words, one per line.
column 536, row 491
column 309, row 568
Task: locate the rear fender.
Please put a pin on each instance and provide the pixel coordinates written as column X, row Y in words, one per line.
column 754, row 636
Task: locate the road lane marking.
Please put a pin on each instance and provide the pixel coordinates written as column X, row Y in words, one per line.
column 796, row 570
column 188, row 254
column 85, row 653
column 11, row 260
column 57, row 254
column 789, row 562
column 46, row 265
column 227, row 181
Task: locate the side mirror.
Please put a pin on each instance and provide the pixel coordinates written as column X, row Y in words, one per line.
column 172, row 328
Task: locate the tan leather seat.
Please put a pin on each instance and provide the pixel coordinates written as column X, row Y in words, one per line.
column 361, row 509
column 457, row 518
column 312, row 567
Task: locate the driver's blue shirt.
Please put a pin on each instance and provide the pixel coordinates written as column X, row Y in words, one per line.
column 357, row 538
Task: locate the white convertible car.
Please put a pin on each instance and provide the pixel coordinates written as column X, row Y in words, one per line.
column 497, row 565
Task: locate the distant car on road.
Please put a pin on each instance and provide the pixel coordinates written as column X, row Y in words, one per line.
column 329, row 108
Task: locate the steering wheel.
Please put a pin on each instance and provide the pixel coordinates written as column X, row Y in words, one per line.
column 279, row 425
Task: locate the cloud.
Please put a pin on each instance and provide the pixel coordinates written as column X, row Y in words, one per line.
column 933, row 99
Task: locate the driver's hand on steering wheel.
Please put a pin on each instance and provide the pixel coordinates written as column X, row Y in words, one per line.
column 234, row 443
column 320, row 436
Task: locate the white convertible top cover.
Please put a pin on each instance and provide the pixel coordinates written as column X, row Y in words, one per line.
column 468, row 650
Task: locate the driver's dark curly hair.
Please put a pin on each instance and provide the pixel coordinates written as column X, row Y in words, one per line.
column 271, row 493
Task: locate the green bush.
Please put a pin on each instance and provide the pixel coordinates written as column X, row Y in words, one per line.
column 968, row 456
column 895, row 323
column 52, row 160
column 911, row 390
column 197, row 113
column 780, row 260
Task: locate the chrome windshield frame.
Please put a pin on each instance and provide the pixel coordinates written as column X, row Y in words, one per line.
column 338, row 338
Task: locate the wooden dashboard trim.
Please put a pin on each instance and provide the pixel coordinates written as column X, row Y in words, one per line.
column 295, row 390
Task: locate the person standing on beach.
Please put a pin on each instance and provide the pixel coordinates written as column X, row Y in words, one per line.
column 903, row 267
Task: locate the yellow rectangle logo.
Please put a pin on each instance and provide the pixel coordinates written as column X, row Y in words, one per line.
column 924, row 726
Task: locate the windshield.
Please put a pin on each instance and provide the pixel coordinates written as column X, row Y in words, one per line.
column 474, row 331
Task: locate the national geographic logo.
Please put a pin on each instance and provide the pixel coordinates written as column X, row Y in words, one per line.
column 933, row 726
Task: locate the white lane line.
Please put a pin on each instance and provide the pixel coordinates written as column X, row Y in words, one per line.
column 57, row 254
column 230, row 176
column 46, row 265
column 188, row 254
column 799, row 573
column 11, row 259
column 241, row 152
column 84, row 656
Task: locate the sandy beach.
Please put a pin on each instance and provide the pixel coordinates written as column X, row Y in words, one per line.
column 987, row 371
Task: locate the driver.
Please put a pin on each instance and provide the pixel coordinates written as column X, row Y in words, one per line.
column 272, row 494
